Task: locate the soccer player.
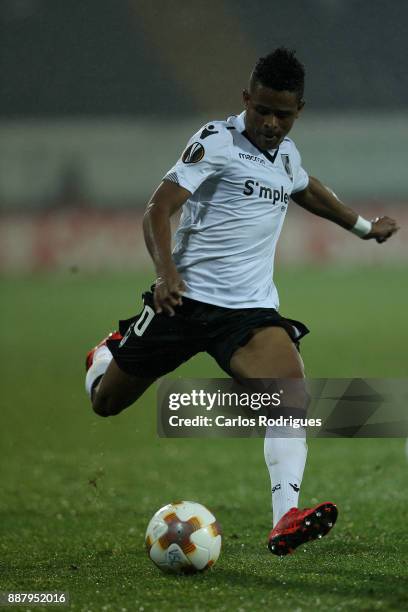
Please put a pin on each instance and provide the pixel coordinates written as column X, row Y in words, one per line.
column 215, row 291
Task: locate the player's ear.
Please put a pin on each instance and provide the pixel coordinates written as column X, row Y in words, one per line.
column 246, row 97
column 301, row 105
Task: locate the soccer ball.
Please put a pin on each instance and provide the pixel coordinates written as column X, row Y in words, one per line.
column 183, row 537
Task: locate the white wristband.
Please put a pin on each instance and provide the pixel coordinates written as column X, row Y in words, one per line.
column 362, row 227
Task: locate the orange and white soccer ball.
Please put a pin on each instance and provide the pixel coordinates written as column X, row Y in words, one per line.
column 183, row 537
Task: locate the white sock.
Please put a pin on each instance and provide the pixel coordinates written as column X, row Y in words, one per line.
column 285, row 459
column 101, row 360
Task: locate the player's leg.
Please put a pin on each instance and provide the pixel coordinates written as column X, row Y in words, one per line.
column 271, row 354
column 148, row 346
column 117, row 390
column 110, row 389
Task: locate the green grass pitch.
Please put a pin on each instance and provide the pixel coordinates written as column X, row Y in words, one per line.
column 77, row 491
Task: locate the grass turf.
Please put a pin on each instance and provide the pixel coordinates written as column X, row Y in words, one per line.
column 77, row 491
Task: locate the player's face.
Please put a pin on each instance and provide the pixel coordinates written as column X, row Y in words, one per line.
column 270, row 115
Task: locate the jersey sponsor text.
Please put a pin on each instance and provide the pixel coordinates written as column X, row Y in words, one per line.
column 276, row 195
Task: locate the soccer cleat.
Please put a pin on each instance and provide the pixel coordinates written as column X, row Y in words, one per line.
column 297, row 527
column 97, row 362
column 91, row 354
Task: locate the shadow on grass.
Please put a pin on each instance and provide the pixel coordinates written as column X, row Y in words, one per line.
column 340, row 582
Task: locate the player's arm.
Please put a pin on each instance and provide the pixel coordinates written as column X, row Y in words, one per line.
column 165, row 201
column 321, row 201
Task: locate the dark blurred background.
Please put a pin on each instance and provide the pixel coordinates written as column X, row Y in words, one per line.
column 99, row 97
column 172, row 57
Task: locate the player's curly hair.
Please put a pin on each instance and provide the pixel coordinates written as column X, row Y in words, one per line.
column 280, row 70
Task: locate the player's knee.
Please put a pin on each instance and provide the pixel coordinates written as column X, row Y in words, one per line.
column 292, row 368
column 105, row 406
column 296, row 371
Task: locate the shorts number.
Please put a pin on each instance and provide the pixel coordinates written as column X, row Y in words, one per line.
column 144, row 320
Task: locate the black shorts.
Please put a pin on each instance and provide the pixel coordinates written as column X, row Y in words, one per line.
column 155, row 344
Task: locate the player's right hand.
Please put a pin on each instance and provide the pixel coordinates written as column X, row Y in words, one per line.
column 168, row 291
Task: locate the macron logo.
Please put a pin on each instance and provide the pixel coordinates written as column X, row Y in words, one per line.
column 253, row 158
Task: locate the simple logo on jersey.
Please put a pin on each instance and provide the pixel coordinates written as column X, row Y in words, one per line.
column 208, row 131
column 286, row 165
column 194, row 153
column 276, row 488
column 294, row 487
column 253, row 158
column 276, row 195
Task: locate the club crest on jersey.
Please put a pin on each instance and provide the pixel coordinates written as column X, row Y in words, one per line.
column 286, row 165
column 193, row 154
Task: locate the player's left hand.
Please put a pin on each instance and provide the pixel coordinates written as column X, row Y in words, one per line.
column 382, row 229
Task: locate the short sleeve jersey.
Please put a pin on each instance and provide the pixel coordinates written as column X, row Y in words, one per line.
column 226, row 240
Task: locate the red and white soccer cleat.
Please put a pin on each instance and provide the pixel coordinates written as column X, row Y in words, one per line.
column 297, row 527
column 91, row 354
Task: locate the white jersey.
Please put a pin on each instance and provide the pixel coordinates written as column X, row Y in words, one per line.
column 225, row 243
